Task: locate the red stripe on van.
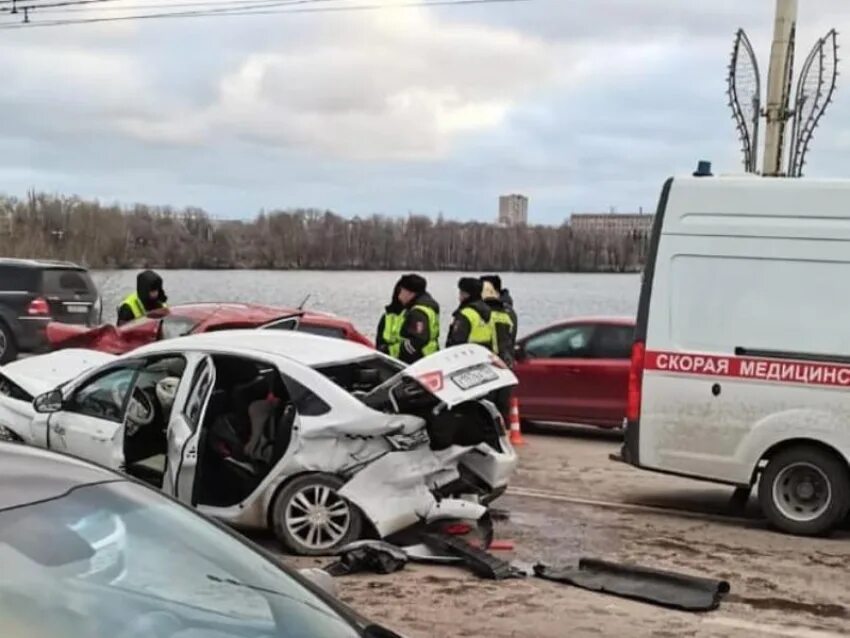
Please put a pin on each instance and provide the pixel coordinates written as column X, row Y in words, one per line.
column 782, row 371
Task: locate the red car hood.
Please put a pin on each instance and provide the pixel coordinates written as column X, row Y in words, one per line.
column 105, row 338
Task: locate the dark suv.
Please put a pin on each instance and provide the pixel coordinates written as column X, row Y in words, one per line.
column 33, row 293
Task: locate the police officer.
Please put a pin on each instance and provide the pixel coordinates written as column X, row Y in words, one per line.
column 471, row 322
column 420, row 326
column 503, row 323
column 389, row 327
column 506, row 299
column 149, row 296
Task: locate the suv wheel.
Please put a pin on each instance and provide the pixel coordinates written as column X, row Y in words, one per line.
column 310, row 518
column 8, row 348
column 805, row 490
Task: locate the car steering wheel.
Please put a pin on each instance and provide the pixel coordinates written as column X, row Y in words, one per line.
column 140, row 408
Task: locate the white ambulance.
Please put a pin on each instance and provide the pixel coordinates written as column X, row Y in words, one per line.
column 741, row 362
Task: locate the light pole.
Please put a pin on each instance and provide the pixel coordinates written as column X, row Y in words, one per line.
column 779, row 85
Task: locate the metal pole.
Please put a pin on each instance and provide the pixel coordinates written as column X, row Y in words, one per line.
column 781, row 57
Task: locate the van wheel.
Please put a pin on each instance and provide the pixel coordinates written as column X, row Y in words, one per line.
column 805, row 490
column 8, row 348
column 311, row 519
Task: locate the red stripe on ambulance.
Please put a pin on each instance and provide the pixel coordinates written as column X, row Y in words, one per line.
column 783, row 371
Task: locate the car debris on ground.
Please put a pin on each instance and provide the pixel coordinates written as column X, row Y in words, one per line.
column 659, row 587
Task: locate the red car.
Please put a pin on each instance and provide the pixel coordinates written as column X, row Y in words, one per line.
column 576, row 372
column 194, row 318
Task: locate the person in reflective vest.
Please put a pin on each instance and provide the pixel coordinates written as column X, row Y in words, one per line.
column 503, row 323
column 506, row 299
column 420, row 326
column 388, row 340
column 472, row 321
column 149, row 296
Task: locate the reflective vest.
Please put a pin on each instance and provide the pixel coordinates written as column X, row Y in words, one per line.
column 433, row 329
column 480, row 331
column 132, row 300
column 393, row 321
column 503, row 329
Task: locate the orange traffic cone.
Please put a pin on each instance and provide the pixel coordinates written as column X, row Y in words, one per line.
column 516, row 431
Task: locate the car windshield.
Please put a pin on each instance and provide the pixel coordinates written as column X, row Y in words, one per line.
column 172, row 326
column 116, row 560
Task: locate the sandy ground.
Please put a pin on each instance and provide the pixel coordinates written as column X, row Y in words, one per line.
column 781, row 585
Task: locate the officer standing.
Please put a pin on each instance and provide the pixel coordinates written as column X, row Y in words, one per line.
column 389, row 327
column 503, row 324
column 505, row 298
column 149, row 296
column 471, row 322
column 420, row 326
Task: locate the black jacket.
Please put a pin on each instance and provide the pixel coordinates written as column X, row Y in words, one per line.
column 508, row 303
column 505, row 336
column 146, row 281
column 460, row 329
column 416, row 330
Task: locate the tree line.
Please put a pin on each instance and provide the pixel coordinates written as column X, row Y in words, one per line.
column 112, row 236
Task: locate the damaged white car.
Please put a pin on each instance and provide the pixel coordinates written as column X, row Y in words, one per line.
column 323, row 441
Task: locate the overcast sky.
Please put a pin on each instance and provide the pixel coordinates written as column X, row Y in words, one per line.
column 580, row 104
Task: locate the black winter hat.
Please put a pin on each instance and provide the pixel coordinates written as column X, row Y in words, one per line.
column 414, row 283
column 470, row 286
column 493, row 279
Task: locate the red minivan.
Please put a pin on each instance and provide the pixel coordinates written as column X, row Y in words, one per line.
column 576, row 372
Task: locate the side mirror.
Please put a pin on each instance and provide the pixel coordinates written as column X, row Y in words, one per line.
column 48, row 402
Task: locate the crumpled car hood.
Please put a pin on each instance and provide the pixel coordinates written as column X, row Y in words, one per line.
column 39, row 374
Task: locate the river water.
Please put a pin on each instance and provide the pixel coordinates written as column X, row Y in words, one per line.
column 539, row 299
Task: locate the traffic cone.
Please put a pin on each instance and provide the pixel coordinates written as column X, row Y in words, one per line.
column 516, row 431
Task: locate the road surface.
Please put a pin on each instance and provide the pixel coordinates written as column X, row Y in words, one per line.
column 568, row 501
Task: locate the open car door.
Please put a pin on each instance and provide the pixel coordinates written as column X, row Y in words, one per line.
column 184, row 430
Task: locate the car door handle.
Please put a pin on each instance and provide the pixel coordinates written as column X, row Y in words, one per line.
column 58, row 429
column 572, row 370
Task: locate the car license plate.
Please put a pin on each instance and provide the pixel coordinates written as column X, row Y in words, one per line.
column 77, row 309
column 473, row 377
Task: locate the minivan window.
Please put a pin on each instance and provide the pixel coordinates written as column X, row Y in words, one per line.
column 65, row 281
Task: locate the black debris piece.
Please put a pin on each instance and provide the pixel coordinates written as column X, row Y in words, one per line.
column 368, row 556
column 667, row 589
column 481, row 563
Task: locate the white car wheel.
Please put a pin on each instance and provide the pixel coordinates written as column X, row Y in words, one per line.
column 310, row 517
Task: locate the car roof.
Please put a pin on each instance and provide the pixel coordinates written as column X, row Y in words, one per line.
column 38, row 263
column 211, row 311
column 611, row 320
column 29, row 474
column 307, row 349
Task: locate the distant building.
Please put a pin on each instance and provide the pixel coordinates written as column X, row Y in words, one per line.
column 612, row 223
column 513, row 210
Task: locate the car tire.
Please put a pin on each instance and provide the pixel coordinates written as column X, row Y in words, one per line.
column 337, row 522
column 805, row 490
column 8, row 347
